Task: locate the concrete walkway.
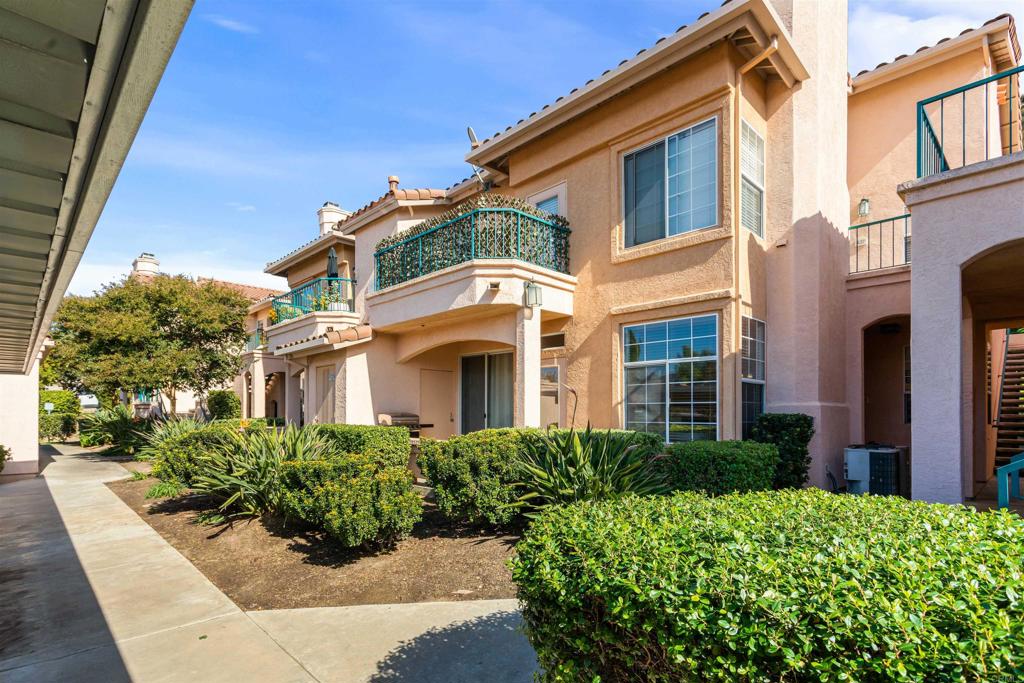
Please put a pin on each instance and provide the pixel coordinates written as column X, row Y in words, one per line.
column 90, row 592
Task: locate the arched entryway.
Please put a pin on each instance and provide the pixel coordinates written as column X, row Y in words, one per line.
column 993, row 296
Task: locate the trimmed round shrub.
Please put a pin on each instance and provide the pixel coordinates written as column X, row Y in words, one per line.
column 791, row 433
column 63, row 401
column 718, row 467
column 352, row 498
column 57, row 426
column 474, row 476
column 793, row 585
column 382, row 444
column 180, row 458
column 224, row 404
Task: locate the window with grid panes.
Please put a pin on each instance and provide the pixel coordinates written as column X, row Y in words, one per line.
column 670, row 371
column 752, row 371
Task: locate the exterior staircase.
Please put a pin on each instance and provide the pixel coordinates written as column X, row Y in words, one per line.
column 1010, row 425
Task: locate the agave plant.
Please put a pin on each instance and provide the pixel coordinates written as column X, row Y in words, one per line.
column 571, row 466
column 244, row 474
column 163, row 431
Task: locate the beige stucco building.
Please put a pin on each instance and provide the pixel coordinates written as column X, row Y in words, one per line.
column 697, row 255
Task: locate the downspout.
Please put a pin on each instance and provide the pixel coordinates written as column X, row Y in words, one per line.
column 737, row 321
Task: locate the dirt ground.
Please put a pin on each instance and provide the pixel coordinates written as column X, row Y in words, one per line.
column 270, row 565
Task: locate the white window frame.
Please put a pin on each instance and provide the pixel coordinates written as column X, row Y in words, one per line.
column 624, row 365
column 753, row 380
column 664, row 140
column 558, row 191
column 753, row 181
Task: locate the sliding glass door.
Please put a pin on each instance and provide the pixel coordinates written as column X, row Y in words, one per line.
column 488, row 385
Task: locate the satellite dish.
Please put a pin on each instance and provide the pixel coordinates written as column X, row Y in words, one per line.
column 473, row 142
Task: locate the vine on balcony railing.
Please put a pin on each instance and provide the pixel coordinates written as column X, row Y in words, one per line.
column 480, row 229
column 321, row 294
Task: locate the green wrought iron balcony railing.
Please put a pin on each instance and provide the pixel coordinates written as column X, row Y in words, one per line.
column 321, row 294
column 255, row 341
column 880, row 244
column 972, row 123
column 483, row 233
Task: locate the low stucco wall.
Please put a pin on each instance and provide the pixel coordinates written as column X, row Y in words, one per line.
column 19, row 421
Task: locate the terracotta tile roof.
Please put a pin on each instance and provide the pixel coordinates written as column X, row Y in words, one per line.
column 605, row 73
column 399, row 194
column 1013, row 38
column 251, row 292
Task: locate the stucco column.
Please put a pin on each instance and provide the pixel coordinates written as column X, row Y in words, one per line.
column 246, row 383
column 527, row 406
column 292, row 397
column 937, row 375
column 259, row 387
column 19, row 421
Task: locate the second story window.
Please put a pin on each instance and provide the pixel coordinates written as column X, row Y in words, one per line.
column 752, row 180
column 550, row 204
column 671, row 187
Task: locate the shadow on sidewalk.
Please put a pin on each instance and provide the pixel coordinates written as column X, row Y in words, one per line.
column 48, row 610
column 488, row 648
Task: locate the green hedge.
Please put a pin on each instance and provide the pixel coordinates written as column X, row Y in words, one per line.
column 791, row 433
column 57, row 426
column 794, row 585
column 5, row 455
column 224, row 404
column 717, row 467
column 473, row 474
column 63, row 401
column 353, row 498
column 386, row 445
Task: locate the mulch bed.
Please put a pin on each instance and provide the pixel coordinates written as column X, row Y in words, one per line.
column 267, row 564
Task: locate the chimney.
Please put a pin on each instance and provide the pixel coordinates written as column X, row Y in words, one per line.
column 329, row 215
column 145, row 265
column 392, row 183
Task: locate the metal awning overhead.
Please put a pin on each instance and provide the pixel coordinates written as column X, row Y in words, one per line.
column 76, row 78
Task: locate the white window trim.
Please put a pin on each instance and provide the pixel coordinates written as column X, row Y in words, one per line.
column 752, row 181
column 560, row 191
column 718, row 370
column 664, row 140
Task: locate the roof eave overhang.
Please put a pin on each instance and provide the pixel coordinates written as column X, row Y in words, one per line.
column 754, row 19
column 281, row 266
column 982, row 37
column 132, row 52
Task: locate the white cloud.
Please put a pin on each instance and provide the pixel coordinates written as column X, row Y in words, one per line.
column 881, row 30
column 239, row 206
column 230, row 24
column 92, row 275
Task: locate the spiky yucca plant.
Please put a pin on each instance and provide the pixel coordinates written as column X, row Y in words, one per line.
column 571, row 466
column 244, row 474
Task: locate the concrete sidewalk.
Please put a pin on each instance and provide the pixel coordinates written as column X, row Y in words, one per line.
column 90, row 592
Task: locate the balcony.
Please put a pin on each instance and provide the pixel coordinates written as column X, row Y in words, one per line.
column 973, row 123
column 321, row 294
column 256, row 340
column 482, row 233
column 476, row 265
column 880, row 244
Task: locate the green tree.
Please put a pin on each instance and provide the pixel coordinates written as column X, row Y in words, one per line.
column 167, row 333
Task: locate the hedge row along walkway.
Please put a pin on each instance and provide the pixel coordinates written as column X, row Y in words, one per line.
column 88, row 591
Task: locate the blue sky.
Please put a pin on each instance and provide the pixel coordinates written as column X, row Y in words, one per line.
column 267, row 109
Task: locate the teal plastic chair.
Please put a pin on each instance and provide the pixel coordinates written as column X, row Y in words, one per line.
column 1008, row 480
